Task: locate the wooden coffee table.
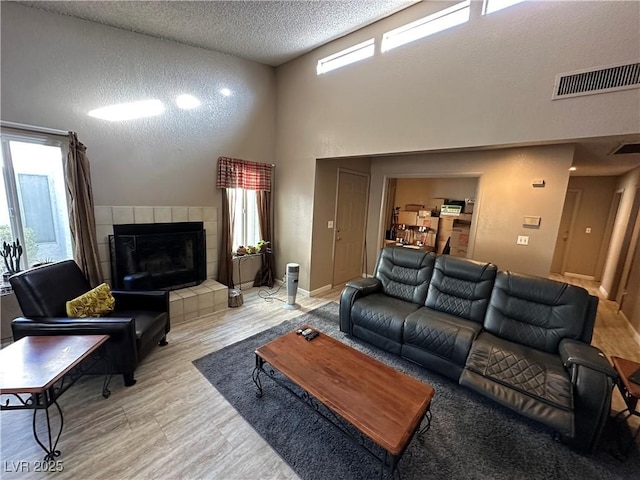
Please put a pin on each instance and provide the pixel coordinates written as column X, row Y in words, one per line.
column 35, row 371
column 383, row 404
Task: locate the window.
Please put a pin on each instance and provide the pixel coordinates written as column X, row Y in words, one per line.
column 347, row 56
column 442, row 20
column 491, row 6
column 33, row 204
column 246, row 227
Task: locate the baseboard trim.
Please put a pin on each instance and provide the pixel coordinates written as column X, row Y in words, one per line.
column 320, row 290
column 636, row 335
column 245, row 285
column 579, row 275
column 282, row 283
column 604, row 293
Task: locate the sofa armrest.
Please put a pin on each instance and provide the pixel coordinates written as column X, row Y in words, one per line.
column 575, row 353
column 365, row 286
column 351, row 292
column 592, row 377
column 153, row 300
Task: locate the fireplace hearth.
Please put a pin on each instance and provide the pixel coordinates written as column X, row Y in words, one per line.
column 165, row 256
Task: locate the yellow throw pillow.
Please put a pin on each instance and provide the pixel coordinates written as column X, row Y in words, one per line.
column 94, row 303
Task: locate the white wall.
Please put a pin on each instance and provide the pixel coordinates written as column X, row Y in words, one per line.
column 56, row 68
column 488, row 82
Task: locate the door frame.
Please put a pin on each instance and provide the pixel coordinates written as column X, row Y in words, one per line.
column 476, row 209
column 626, row 269
column 632, row 257
column 608, row 232
column 619, row 272
column 335, row 219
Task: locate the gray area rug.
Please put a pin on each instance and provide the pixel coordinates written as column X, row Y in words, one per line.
column 470, row 436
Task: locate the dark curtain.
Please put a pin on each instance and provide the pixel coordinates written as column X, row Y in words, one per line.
column 82, row 220
column 264, row 277
column 225, row 263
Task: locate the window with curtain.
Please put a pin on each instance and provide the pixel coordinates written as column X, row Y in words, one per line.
column 33, row 203
column 246, row 227
column 246, row 214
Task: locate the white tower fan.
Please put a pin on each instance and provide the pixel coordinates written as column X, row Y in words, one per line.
column 293, row 270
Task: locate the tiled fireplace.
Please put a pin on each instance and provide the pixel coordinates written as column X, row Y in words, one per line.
column 186, row 303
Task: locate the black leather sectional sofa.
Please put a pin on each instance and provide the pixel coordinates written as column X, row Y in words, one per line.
column 522, row 341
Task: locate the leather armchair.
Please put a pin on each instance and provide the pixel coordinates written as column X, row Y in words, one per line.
column 139, row 321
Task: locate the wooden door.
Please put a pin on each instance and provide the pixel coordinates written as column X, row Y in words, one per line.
column 569, row 211
column 351, row 215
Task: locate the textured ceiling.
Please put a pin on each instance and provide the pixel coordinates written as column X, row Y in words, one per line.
column 274, row 32
column 269, row 32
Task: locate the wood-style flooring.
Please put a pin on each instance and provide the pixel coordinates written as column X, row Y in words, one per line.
column 173, row 424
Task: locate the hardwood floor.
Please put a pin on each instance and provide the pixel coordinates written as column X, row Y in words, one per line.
column 174, row 424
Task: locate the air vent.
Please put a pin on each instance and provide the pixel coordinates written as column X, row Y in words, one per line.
column 627, row 148
column 602, row 80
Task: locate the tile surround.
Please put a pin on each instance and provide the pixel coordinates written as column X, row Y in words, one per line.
column 187, row 303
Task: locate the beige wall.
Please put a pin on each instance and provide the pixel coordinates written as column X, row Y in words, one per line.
column 324, row 209
column 56, row 68
column 628, row 184
column 419, row 190
column 504, row 197
column 583, row 255
column 485, row 83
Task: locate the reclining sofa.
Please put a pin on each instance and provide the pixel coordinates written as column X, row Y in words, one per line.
column 522, row 341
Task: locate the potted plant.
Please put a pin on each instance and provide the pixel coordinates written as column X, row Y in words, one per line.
column 11, row 254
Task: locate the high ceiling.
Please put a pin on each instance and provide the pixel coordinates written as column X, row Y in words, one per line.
column 274, row 32
column 269, row 32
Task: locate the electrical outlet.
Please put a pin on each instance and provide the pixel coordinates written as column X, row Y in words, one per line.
column 522, row 240
column 588, row 230
column 330, row 224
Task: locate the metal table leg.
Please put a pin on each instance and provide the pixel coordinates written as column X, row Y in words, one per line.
column 51, row 452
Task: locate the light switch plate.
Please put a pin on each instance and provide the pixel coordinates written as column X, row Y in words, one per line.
column 330, row 224
column 522, row 240
column 531, row 221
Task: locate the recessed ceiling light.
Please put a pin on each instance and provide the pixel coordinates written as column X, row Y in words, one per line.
column 572, row 169
column 187, row 102
column 128, row 111
column 226, row 92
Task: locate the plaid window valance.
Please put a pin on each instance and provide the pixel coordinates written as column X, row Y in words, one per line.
column 236, row 173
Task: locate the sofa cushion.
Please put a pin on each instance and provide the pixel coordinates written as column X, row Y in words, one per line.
column 404, row 273
column 536, row 374
column 440, row 333
column 461, row 287
column 382, row 314
column 536, row 312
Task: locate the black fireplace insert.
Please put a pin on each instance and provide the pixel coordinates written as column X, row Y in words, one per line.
column 158, row 256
